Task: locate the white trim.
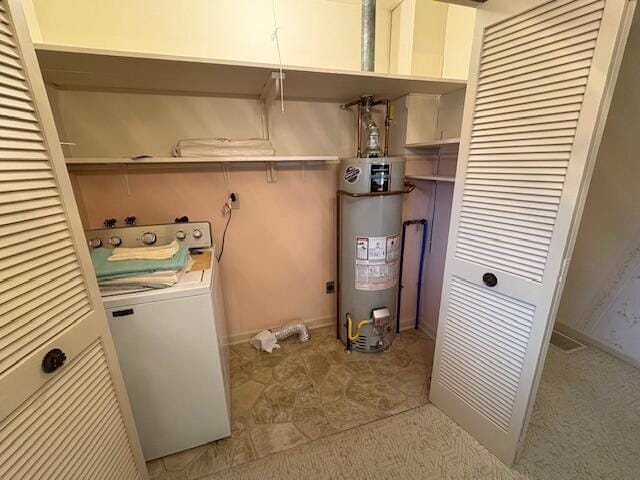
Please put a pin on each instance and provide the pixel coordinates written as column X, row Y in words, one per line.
column 406, row 324
column 593, row 342
column 312, row 324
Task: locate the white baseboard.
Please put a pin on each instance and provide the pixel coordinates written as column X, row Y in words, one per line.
column 406, row 324
column 423, row 327
column 409, row 324
column 313, row 323
column 584, row 338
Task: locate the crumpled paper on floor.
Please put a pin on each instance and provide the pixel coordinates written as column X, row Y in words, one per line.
column 265, row 340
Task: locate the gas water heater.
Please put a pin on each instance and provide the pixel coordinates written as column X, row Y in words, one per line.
column 371, row 187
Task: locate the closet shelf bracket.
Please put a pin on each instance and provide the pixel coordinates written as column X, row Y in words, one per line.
column 269, row 92
column 272, row 173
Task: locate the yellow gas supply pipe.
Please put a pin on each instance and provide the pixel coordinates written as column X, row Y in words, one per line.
column 354, row 336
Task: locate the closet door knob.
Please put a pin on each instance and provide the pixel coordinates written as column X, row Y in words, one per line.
column 53, row 360
column 490, row 280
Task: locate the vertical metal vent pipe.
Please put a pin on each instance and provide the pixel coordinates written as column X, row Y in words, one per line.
column 368, row 35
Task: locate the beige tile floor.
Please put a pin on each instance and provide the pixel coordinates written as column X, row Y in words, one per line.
column 584, row 426
column 303, row 392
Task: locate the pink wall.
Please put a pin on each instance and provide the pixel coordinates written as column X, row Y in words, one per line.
column 280, row 244
column 280, row 247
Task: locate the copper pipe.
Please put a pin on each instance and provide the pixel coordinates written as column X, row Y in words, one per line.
column 387, row 123
column 359, row 133
column 387, row 127
column 409, row 188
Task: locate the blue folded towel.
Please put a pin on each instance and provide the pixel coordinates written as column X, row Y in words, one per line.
column 106, row 270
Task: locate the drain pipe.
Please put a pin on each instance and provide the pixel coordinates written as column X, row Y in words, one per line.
column 368, row 36
column 425, row 226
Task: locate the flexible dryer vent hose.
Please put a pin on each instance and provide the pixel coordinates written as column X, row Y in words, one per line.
column 292, row 328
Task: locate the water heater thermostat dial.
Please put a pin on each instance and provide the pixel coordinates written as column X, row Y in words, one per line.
column 149, row 238
column 197, row 234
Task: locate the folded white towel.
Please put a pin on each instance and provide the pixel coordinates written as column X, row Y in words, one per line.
column 223, row 147
column 161, row 252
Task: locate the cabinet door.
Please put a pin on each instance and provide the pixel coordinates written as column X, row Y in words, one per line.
column 74, row 421
column 537, row 99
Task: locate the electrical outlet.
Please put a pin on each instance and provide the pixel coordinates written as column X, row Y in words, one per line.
column 330, row 287
column 234, row 199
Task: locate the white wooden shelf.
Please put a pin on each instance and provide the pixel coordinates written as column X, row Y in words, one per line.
column 433, row 178
column 97, row 69
column 433, row 145
column 196, row 160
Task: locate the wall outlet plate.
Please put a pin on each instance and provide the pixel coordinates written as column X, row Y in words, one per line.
column 330, row 287
column 234, row 199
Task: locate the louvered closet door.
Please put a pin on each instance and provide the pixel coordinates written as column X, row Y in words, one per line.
column 536, row 102
column 73, row 423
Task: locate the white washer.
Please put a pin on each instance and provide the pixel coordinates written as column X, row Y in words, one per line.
column 172, row 348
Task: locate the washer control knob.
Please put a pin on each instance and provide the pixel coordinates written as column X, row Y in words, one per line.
column 196, row 234
column 95, row 243
column 115, row 241
column 149, row 238
column 180, row 235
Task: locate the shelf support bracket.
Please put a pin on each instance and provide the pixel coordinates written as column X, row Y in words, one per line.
column 227, row 176
column 125, row 178
column 269, row 92
column 272, row 173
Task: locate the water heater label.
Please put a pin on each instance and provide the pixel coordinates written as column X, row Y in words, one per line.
column 362, row 248
column 377, row 262
column 377, row 249
column 393, row 248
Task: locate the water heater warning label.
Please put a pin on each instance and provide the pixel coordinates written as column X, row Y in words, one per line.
column 377, row 262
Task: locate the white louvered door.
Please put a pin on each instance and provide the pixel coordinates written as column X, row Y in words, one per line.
column 75, row 422
column 538, row 94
